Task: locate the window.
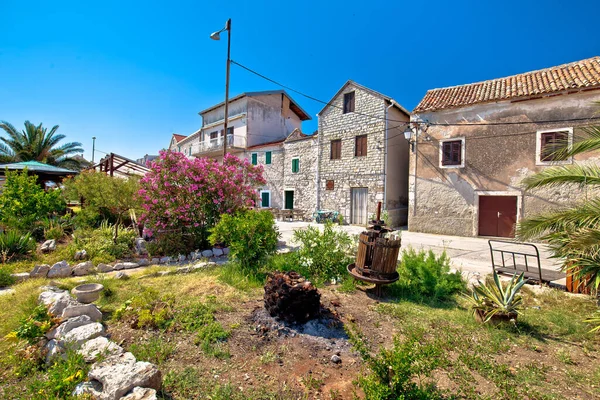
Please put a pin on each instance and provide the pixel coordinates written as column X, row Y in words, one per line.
column 329, row 184
column 348, row 102
column 265, row 198
column 548, row 142
column 336, row 149
column 452, row 153
column 254, row 158
column 295, row 165
column 230, row 130
column 214, row 135
column 360, row 146
column 268, row 157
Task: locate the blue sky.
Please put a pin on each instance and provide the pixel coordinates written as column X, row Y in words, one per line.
column 132, row 73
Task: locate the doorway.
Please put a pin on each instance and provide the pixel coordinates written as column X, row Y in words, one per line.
column 288, row 199
column 497, row 216
column 358, row 204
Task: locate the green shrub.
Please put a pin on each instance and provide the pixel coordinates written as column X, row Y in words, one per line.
column 399, row 372
column 100, row 245
column 54, row 230
column 147, row 310
column 35, row 326
column 23, row 202
column 6, row 279
column 323, row 256
column 62, row 377
column 156, row 350
column 13, row 244
column 251, row 237
column 176, row 242
column 423, row 275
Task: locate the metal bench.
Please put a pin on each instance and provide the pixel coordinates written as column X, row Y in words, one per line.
column 517, row 257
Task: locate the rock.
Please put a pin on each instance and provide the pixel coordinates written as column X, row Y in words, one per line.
column 56, row 301
column 181, row 258
column 165, row 260
column 59, row 270
column 217, row 252
column 121, row 275
column 336, row 359
column 53, row 349
column 39, row 271
column 207, row 253
column 93, row 388
column 78, row 309
column 78, row 336
column 140, row 393
column 21, row 276
column 80, row 255
column 99, row 346
column 182, row 270
column 105, row 267
column 120, row 374
column 155, row 261
column 142, row 262
column 225, row 250
column 140, row 246
column 67, row 326
column 125, row 265
column 48, row 246
column 84, row 268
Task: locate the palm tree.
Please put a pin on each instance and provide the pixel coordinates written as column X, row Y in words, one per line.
column 573, row 234
column 36, row 143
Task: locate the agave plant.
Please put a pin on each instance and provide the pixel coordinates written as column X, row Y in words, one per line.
column 595, row 321
column 492, row 299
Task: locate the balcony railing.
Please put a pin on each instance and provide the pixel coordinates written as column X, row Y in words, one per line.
column 206, row 146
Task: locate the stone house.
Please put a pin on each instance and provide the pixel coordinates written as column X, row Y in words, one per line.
column 362, row 155
column 300, row 172
column 474, row 144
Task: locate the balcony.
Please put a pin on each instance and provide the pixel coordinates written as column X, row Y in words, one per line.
column 206, row 147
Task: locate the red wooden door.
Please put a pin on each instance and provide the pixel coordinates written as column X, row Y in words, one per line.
column 497, row 215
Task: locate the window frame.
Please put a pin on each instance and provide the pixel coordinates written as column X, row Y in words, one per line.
column 268, row 157
column 297, row 165
column 254, row 158
column 366, row 146
column 349, row 104
column 462, row 153
column 338, row 143
column 538, row 146
column 261, row 198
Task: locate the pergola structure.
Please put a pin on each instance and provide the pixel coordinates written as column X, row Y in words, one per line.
column 116, row 165
column 44, row 172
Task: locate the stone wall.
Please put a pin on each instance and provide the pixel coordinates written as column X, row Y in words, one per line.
column 496, row 159
column 303, row 182
column 273, row 173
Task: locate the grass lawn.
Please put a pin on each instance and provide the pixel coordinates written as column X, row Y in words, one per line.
column 200, row 331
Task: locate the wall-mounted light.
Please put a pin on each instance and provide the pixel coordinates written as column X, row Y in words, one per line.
column 408, row 136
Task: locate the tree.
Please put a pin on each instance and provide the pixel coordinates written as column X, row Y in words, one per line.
column 23, row 202
column 99, row 190
column 36, row 143
column 573, row 234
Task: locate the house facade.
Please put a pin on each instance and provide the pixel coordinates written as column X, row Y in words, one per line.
column 362, row 155
column 300, row 172
column 475, row 143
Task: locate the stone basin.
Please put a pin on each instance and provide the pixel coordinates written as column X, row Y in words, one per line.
column 87, row 293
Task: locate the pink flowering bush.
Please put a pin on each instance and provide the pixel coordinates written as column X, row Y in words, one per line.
column 188, row 196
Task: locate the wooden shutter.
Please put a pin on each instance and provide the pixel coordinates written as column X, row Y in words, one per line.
column 265, row 197
column 254, row 159
column 452, row 152
column 348, row 102
column 329, row 184
column 361, row 146
column 552, row 142
column 268, row 157
column 336, row 149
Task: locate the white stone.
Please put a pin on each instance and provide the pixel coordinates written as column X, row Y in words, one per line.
column 217, row 252
column 53, row 349
column 142, row 262
column 181, row 258
column 84, row 268
column 155, row 261
column 48, row 245
column 93, row 388
column 226, row 250
column 67, row 326
column 105, row 267
column 120, row 374
column 21, row 276
column 165, row 260
column 99, row 346
column 140, row 393
column 125, row 265
column 182, row 270
column 80, row 255
column 207, row 253
column 56, row 301
column 140, row 246
column 40, row 271
column 78, row 336
column 77, row 309
column 60, row 270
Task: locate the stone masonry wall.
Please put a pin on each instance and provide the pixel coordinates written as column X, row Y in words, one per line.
column 350, row 171
column 273, row 173
column 303, row 182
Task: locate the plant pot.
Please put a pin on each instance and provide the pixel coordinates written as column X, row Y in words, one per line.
column 496, row 318
column 87, row 293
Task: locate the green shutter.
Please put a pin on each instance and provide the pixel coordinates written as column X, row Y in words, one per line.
column 295, row 165
column 254, row 159
column 268, row 157
column 265, row 199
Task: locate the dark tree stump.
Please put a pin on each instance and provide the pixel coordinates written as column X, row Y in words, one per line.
column 291, row 298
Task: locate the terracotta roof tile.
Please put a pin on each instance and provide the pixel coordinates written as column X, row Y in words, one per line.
column 575, row 75
column 179, row 137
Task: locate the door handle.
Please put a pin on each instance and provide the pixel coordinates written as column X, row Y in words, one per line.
column 499, row 214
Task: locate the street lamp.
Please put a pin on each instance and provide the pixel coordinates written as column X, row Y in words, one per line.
column 408, row 136
column 93, row 148
column 216, row 36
